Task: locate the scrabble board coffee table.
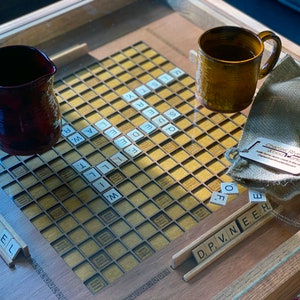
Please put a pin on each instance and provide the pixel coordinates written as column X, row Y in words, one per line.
column 115, row 209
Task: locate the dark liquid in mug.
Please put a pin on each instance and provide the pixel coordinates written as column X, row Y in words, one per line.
column 230, row 52
column 14, row 76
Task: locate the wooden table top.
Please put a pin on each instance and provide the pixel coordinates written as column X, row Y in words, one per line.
column 262, row 265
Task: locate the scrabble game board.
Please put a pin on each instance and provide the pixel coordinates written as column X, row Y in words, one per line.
column 135, row 167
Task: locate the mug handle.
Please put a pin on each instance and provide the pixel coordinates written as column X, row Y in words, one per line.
column 272, row 60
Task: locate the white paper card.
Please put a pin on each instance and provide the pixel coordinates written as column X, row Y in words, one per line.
column 274, row 154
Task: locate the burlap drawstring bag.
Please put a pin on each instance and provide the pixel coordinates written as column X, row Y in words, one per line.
column 275, row 114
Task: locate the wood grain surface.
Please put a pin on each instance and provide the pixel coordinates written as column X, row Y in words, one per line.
column 262, row 265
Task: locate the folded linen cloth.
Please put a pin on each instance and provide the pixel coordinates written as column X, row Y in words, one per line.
column 275, row 114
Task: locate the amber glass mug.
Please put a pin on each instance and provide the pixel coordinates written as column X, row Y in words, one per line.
column 229, row 65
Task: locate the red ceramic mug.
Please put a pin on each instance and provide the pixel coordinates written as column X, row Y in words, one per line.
column 30, row 119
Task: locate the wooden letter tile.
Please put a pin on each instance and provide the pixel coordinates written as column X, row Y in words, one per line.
column 232, row 230
column 200, row 253
column 211, row 245
column 222, row 237
column 12, row 249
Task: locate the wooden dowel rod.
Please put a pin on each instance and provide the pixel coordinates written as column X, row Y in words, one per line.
column 69, row 55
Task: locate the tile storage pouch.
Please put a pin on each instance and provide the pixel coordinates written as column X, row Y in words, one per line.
column 274, row 115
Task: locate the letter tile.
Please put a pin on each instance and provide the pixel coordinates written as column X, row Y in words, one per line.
column 200, row 253
column 256, row 196
column 222, row 237
column 218, row 198
column 12, row 249
column 232, row 230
